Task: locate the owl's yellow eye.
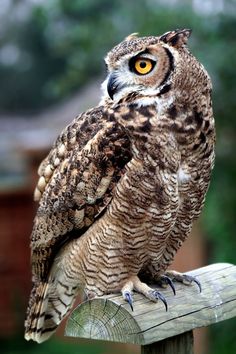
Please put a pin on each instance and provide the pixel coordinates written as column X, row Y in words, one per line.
column 143, row 66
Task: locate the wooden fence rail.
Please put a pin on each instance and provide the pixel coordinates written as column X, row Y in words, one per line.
column 149, row 325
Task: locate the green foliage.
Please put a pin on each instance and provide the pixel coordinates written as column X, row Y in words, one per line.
column 61, row 44
column 18, row 345
column 60, row 47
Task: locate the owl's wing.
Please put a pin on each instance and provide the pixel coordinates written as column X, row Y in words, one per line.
column 76, row 183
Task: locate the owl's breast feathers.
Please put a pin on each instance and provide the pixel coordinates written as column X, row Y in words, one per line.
column 79, row 176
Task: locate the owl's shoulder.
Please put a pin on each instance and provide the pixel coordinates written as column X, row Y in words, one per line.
column 85, row 128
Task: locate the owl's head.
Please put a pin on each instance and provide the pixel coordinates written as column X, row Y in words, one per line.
column 147, row 66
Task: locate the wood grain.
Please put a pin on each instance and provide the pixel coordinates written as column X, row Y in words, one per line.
column 110, row 317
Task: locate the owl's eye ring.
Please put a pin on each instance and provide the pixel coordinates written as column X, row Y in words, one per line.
column 142, row 66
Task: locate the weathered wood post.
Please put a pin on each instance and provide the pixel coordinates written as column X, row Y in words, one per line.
column 149, row 325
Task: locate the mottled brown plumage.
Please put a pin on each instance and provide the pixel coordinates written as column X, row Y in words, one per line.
column 123, row 183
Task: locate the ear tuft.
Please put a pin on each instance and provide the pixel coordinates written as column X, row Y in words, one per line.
column 131, row 36
column 176, row 38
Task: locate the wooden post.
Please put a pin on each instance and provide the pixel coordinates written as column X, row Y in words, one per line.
column 181, row 344
column 149, row 325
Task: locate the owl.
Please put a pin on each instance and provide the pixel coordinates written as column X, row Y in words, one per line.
column 123, row 183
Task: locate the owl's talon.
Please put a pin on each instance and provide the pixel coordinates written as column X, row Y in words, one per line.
column 134, row 283
column 156, row 295
column 168, row 281
column 183, row 278
column 192, row 279
column 162, row 298
column 128, row 297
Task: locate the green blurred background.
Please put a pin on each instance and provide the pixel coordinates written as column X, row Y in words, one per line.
column 49, row 49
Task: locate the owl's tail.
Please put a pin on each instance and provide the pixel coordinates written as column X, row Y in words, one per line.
column 48, row 305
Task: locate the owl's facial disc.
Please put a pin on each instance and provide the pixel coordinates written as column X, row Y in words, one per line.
column 143, row 73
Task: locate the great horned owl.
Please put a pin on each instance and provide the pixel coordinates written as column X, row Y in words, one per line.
column 123, row 183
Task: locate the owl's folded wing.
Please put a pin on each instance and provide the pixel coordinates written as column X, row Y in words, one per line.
column 76, row 184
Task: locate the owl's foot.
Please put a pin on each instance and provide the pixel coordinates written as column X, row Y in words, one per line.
column 172, row 275
column 135, row 284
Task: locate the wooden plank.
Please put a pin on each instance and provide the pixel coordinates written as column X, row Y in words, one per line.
column 110, row 317
column 181, row 344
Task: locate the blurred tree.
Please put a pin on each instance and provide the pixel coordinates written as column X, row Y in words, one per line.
column 49, row 49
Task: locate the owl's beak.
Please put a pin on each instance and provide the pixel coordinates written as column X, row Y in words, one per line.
column 112, row 85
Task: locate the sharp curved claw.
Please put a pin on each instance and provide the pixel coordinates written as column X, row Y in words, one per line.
column 198, row 283
column 129, row 299
column 161, row 297
column 170, row 283
column 192, row 279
